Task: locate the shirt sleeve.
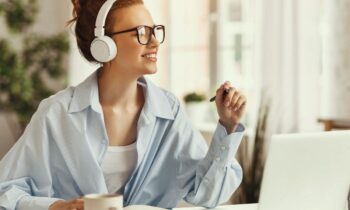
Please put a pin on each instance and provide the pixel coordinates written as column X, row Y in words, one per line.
column 207, row 177
column 25, row 178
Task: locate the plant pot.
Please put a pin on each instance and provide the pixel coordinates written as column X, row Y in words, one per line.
column 197, row 111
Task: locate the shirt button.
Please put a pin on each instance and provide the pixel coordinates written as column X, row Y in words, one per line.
column 217, row 159
column 223, row 147
column 206, row 180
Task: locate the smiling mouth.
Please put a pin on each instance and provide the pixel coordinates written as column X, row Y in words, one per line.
column 150, row 57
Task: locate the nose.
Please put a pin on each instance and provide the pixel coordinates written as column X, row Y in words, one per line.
column 153, row 42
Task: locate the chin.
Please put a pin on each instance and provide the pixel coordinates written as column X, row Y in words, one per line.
column 150, row 70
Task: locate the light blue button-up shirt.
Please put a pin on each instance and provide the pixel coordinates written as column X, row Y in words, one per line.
column 60, row 152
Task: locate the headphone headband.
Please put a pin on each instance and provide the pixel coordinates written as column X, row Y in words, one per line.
column 101, row 18
column 103, row 48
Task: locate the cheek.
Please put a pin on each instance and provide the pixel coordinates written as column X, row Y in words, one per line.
column 130, row 51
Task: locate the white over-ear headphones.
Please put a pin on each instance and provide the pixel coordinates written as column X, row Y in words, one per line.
column 103, row 48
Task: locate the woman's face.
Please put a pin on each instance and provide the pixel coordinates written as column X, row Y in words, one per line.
column 131, row 57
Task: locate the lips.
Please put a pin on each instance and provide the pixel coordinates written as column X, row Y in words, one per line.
column 151, row 56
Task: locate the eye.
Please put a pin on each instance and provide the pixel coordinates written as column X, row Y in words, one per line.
column 141, row 31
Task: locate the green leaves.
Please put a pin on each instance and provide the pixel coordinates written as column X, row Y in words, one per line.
column 16, row 88
column 194, row 97
column 19, row 14
column 34, row 72
column 46, row 53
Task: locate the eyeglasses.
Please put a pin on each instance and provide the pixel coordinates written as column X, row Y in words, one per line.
column 144, row 33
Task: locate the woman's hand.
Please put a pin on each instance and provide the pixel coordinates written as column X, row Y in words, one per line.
column 75, row 204
column 230, row 107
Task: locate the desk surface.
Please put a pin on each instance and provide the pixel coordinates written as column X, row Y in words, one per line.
column 226, row 207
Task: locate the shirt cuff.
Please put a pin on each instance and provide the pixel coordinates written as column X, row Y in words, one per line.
column 224, row 146
column 35, row 203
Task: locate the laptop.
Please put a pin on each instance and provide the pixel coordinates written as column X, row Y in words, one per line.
column 307, row 172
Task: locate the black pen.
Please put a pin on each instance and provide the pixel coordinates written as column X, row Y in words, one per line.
column 226, row 91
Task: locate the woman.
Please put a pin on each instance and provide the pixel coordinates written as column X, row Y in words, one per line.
column 118, row 132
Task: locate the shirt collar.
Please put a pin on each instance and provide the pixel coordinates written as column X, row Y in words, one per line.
column 156, row 101
column 85, row 95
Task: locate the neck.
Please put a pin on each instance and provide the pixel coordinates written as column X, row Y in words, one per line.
column 116, row 90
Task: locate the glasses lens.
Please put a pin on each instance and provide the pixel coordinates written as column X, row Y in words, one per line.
column 159, row 33
column 143, row 34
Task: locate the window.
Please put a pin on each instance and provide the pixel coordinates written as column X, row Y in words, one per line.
column 235, row 48
column 207, row 43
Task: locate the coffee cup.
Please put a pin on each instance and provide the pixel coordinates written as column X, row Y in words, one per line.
column 103, row 202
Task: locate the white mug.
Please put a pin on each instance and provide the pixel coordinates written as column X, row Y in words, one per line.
column 103, row 202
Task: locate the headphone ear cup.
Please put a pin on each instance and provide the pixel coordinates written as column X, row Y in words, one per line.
column 103, row 49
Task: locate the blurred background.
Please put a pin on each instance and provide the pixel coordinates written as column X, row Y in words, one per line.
column 291, row 59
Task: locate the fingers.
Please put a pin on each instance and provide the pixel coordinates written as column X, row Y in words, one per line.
column 230, row 96
column 76, row 204
column 241, row 102
column 234, row 100
column 221, row 96
column 236, row 95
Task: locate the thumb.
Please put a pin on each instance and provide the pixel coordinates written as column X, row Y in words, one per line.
column 219, row 95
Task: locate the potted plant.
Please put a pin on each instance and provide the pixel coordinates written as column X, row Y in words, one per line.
column 196, row 106
column 32, row 72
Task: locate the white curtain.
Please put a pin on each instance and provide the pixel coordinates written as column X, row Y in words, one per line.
column 290, row 64
column 336, row 60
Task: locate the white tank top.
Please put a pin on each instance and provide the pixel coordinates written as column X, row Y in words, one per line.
column 117, row 166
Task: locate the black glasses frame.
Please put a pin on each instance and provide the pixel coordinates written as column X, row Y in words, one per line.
column 138, row 35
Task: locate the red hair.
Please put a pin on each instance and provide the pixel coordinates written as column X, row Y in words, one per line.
column 85, row 14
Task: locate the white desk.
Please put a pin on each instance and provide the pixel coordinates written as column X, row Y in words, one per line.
column 226, row 207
